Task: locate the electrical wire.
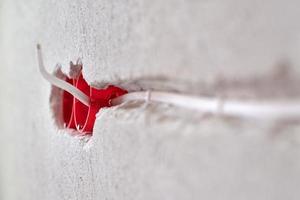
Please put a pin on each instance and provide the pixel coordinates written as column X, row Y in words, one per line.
column 254, row 109
column 61, row 83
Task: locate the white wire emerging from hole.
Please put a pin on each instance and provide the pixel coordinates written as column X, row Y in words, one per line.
column 61, row 83
column 260, row 110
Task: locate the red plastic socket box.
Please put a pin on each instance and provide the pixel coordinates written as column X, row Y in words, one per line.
column 78, row 116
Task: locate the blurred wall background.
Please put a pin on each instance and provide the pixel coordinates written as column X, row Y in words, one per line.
column 233, row 49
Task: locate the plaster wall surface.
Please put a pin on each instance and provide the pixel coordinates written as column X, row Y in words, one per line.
column 148, row 151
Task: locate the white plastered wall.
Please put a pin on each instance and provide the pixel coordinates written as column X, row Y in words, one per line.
column 233, row 48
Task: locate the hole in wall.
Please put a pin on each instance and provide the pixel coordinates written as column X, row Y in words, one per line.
column 69, row 112
column 56, row 101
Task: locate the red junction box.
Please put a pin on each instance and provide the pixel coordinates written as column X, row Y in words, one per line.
column 78, row 116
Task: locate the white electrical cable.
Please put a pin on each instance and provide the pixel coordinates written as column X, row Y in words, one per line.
column 61, row 83
column 269, row 110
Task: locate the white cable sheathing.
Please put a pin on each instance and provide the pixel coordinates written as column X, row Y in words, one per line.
column 259, row 110
column 271, row 110
column 196, row 103
column 61, row 83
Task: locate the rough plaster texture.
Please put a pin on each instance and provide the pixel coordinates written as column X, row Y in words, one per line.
column 230, row 48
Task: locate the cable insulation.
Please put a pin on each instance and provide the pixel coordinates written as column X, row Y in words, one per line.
column 61, row 83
